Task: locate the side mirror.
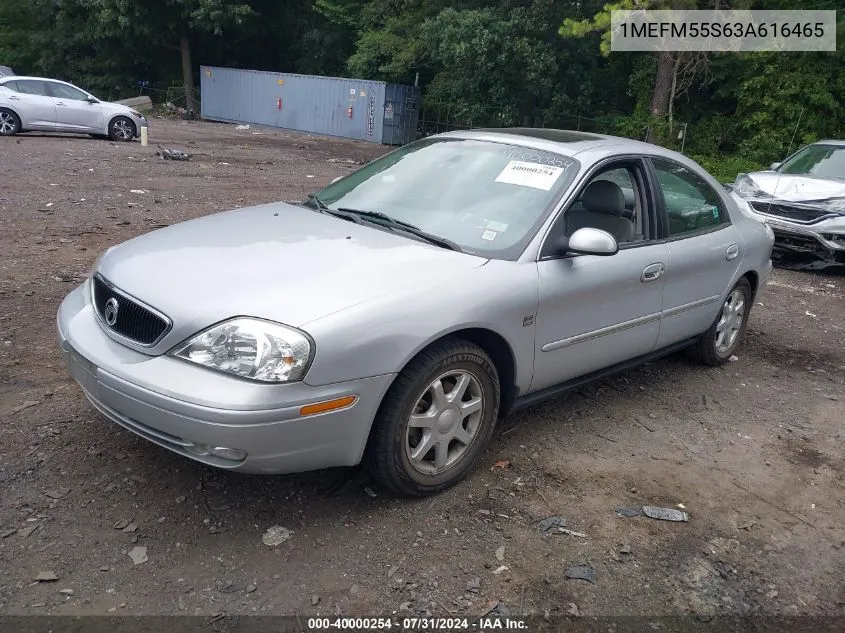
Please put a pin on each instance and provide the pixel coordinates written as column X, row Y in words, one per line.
column 91, row 100
column 774, row 166
column 590, row 241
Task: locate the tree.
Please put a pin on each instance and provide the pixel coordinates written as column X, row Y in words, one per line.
column 170, row 24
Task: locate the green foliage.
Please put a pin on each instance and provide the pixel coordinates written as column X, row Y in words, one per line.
column 479, row 62
column 725, row 168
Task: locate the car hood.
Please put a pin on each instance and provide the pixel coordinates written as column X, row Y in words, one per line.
column 796, row 188
column 276, row 261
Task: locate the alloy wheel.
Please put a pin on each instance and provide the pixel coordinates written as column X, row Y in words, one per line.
column 444, row 422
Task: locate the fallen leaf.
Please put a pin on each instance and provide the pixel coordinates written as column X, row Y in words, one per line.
column 503, row 464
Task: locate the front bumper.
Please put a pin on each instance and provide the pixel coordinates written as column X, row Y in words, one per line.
column 185, row 408
column 807, row 246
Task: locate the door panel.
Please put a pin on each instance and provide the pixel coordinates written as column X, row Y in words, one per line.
column 73, row 113
column 704, row 251
column 697, row 277
column 597, row 311
column 36, row 107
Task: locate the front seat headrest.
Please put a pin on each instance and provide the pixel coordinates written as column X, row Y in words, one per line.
column 603, row 196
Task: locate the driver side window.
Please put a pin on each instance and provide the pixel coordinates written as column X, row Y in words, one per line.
column 613, row 200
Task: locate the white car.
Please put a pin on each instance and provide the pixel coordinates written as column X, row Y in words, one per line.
column 48, row 105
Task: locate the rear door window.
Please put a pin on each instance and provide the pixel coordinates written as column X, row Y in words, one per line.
column 33, row 87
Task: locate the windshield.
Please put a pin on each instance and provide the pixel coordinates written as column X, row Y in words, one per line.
column 821, row 161
column 488, row 198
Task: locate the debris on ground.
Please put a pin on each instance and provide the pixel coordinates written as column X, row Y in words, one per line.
column 276, row 535
column 66, row 592
column 572, row 609
column 370, row 492
column 502, row 464
column 137, row 191
column 46, row 576
column 473, row 584
column 665, row 514
column 8, row 533
column 25, row 405
column 56, row 494
column 315, row 600
column 171, row 154
column 571, row 533
column 138, row 554
column 581, row 572
column 129, row 529
column 551, row 523
column 500, row 553
column 628, row 512
column 500, row 569
column 625, row 548
column 250, row 588
column 25, row 532
column 241, row 127
column 121, row 524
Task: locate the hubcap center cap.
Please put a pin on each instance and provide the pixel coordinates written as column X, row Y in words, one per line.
column 446, row 421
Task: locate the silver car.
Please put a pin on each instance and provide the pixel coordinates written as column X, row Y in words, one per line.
column 48, row 105
column 803, row 200
column 394, row 316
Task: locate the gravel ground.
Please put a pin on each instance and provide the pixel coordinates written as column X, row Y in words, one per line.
column 753, row 450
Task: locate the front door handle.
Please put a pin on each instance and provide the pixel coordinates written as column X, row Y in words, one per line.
column 60, row 103
column 652, row 272
column 13, row 98
column 732, row 252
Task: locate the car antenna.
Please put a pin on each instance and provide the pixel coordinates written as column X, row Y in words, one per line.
column 788, row 151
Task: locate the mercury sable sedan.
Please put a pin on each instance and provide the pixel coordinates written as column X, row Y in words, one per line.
column 395, row 315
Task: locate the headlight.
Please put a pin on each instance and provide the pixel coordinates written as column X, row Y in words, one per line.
column 835, row 204
column 250, row 348
column 747, row 188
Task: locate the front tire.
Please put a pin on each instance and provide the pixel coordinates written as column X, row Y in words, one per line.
column 122, row 129
column 10, row 123
column 717, row 344
column 435, row 419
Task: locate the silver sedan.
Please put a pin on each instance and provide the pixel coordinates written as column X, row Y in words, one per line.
column 395, row 315
column 48, row 105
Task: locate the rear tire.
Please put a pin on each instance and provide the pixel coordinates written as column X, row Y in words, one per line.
column 720, row 341
column 10, row 123
column 435, row 419
column 122, row 128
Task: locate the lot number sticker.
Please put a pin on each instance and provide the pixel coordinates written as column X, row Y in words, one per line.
column 534, row 175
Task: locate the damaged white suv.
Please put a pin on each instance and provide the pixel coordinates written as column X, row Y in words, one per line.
column 803, row 200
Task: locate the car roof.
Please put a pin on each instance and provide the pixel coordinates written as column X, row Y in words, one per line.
column 831, row 141
column 19, row 77
column 568, row 142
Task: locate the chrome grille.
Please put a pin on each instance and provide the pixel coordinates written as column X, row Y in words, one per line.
column 130, row 320
column 802, row 214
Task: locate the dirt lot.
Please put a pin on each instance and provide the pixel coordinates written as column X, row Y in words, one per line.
column 753, row 450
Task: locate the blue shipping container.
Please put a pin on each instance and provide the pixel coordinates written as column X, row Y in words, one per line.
column 352, row 108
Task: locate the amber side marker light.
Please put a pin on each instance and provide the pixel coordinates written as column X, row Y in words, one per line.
column 328, row 405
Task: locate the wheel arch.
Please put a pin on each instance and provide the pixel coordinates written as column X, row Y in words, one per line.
column 494, row 344
column 118, row 115
column 16, row 113
column 753, row 280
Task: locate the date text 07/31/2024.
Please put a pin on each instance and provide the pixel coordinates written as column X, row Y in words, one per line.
column 415, row 624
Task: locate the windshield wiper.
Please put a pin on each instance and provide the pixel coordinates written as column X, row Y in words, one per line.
column 377, row 217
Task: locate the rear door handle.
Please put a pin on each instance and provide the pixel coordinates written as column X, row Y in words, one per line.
column 732, row 252
column 14, row 98
column 652, row 272
column 59, row 103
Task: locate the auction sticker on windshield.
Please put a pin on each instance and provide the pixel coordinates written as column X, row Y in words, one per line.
column 518, row 172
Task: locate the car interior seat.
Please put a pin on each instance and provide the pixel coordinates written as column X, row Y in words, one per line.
column 602, row 207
